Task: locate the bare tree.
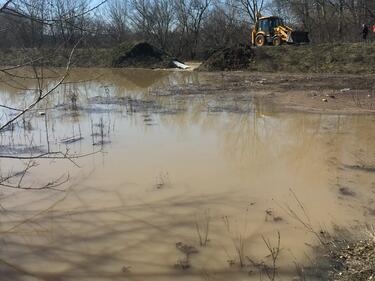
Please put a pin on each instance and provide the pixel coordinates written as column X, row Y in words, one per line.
column 252, row 8
column 118, row 13
column 36, row 17
column 329, row 20
column 154, row 20
column 225, row 26
column 190, row 15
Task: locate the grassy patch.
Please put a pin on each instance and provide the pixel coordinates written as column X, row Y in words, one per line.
column 88, row 57
column 328, row 58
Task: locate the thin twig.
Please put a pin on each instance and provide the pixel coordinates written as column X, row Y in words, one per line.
column 41, row 95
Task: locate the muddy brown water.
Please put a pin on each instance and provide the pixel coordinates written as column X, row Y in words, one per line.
column 164, row 167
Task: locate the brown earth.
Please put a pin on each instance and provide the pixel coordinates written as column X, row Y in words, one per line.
column 320, row 93
column 349, row 94
column 235, row 58
column 328, row 78
column 346, row 254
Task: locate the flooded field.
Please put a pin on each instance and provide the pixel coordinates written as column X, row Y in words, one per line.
column 170, row 177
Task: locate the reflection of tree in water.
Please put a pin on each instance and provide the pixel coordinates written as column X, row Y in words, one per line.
column 135, row 81
column 351, row 154
column 138, row 82
column 253, row 136
column 120, row 81
column 310, row 147
column 138, row 78
column 95, row 243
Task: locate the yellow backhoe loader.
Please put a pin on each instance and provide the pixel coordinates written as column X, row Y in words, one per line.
column 273, row 31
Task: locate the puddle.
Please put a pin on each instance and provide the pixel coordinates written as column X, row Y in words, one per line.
column 176, row 186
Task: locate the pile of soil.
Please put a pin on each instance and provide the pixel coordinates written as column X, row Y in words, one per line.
column 141, row 55
column 233, row 58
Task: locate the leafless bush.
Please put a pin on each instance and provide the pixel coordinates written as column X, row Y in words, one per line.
column 356, row 98
column 301, row 216
column 202, row 225
column 162, row 180
column 238, row 238
column 40, row 18
column 274, row 252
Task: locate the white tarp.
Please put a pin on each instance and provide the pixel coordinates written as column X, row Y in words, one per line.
column 180, row 65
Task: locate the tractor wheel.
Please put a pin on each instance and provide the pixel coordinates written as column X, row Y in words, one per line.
column 260, row 40
column 276, row 41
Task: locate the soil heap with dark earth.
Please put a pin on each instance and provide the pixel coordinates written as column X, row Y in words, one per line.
column 141, row 55
column 232, row 58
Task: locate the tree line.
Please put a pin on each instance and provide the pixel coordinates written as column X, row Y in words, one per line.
column 185, row 28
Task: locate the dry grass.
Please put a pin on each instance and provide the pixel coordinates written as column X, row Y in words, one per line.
column 353, row 58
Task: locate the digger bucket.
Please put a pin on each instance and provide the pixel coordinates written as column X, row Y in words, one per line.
column 297, row 37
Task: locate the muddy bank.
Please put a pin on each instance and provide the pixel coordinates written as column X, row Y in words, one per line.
column 351, row 58
column 235, row 91
column 348, row 254
column 355, row 261
column 318, row 93
column 348, row 58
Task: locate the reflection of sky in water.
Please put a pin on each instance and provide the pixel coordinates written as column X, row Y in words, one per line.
column 158, row 172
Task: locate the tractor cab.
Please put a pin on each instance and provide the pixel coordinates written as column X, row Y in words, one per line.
column 264, row 30
column 268, row 24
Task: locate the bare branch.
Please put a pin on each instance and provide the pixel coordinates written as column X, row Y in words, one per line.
column 42, row 95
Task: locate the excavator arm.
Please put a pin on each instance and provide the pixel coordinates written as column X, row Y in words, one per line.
column 288, row 35
column 285, row 33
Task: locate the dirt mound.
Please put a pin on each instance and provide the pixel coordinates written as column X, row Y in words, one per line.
column 233, row 58
column 141, row 55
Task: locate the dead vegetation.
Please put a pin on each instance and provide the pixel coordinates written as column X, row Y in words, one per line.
column 202, row 225
column 274, row 251
column 343, row 254
column 187, row 251
column 132, row 105
column 347, row 58
column 238, row 236
column 162, row 181
column 353, row 259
